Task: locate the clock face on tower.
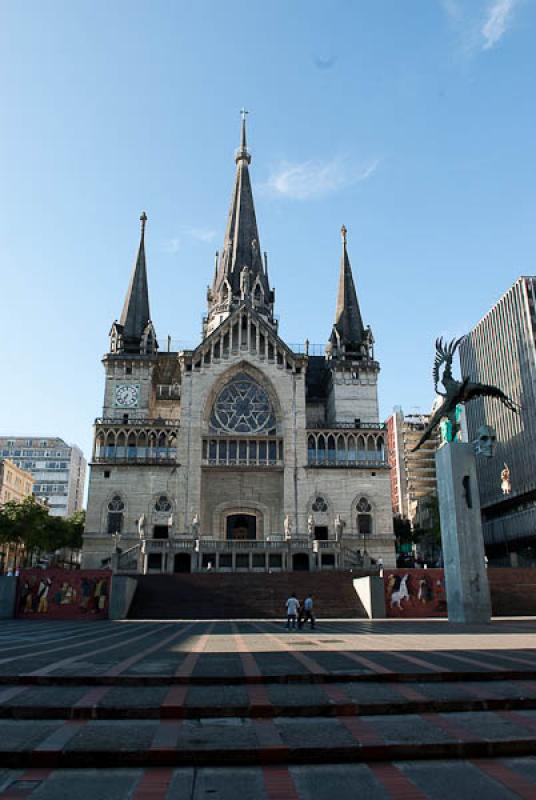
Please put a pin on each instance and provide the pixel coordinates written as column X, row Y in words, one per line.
column 127, row 395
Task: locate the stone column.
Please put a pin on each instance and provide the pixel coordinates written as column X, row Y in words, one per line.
column 466, row 580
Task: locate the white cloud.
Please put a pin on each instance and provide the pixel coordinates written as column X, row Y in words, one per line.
column 315, row 178
column 452, row 9
column 201, row 234
column 497, row 20
column 171, row 246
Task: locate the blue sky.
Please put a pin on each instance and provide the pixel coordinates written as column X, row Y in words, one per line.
column 413, row 123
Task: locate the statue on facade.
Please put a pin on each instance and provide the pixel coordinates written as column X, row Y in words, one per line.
column 310, row 525
column 506, row 484
column 244, row 282
column 141, row 527
column 456, row 392
column 287, row 526
column 195, row 525
column 339, row 526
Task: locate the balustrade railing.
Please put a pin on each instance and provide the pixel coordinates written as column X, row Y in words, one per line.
column 226, row 545
column 229, row 452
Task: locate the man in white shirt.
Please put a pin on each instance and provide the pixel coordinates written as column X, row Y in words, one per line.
column 293, row 606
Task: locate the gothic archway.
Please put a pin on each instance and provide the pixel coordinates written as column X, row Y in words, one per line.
column 241, row 527
column 300, row 562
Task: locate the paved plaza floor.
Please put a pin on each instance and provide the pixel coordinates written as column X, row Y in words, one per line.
column 246, row 709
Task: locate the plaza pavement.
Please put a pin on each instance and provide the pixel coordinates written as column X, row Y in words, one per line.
column 394, row 708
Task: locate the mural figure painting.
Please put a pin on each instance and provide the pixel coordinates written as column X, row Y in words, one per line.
column 63, row 595
column 420, row 593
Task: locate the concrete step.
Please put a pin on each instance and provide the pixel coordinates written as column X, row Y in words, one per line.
column 266, row 701
column 244, row 595
column 283, row 740
column 501, row 779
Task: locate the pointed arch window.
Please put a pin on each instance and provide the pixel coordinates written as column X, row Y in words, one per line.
column 364, row 517
column 116, row 509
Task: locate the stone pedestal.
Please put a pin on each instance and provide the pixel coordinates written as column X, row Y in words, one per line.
column 468, row 597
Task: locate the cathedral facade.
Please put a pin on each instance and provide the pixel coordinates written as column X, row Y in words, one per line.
column 241, row 454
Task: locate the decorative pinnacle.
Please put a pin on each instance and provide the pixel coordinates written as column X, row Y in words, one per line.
column 343, row 234
column 242, row 152
column 143, row 220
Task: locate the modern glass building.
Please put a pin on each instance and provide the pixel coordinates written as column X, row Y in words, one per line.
column 501, row 350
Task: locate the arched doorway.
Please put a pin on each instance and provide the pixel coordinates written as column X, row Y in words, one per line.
column 241, row 527
column 300, row 562
column 182, row 562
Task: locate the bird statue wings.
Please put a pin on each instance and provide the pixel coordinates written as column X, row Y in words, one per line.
column 456, row 392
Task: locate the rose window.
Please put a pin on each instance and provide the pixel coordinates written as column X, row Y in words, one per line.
column 242, row 406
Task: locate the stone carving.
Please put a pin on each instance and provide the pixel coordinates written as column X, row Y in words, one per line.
column 195, row 525
column 506, row 484
column 486, row 439
column 456, row 392
column 339, row 527
column 320, row 504
column 310, row 525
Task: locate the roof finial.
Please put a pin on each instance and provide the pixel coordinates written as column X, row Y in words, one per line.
column 143, row 220
column 343, row 234
column 242, row 152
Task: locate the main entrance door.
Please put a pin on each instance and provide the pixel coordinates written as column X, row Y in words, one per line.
column 241, row 527
column 182, row 562
column 300, row 562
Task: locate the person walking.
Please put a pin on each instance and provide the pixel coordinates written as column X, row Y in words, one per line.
column 293, row 606
column 307, row 613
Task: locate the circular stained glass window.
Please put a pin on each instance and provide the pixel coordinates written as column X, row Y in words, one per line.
column 242, row 407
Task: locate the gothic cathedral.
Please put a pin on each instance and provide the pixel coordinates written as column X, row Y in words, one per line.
column 241, row 454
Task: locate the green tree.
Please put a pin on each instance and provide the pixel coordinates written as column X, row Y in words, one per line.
column 30, row 531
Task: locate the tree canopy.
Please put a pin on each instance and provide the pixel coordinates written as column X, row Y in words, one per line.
column 29, row 526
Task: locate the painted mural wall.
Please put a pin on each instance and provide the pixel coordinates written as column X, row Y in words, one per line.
column 63, row 594
column 415, row 593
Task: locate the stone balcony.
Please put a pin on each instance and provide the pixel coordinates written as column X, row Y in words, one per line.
column 135, row 441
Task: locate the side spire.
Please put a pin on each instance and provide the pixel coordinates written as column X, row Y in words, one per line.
column 134, row 332
column 348, row 335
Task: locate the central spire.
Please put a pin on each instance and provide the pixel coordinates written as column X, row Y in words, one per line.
column 242, row 152
column 240, row 275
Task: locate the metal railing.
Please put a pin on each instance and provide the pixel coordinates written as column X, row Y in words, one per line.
column 357, row 425
column 156, row 422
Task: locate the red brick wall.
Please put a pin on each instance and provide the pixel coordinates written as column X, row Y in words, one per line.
column 513, row 591
column 63, row 594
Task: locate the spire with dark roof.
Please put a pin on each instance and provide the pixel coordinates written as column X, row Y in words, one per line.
column 241, row 247
column 135, row 322
column 348, row 333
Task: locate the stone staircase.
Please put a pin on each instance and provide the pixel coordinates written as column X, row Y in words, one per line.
column 244, row 595
column 247, row 709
